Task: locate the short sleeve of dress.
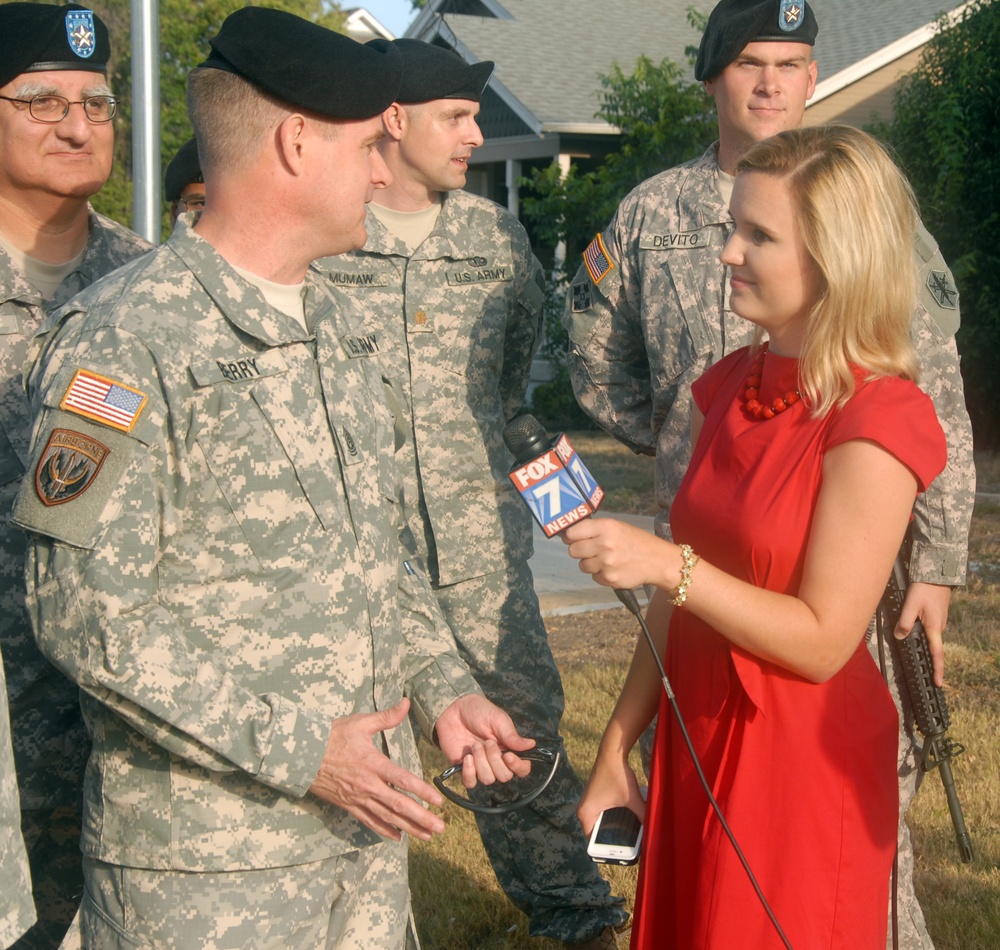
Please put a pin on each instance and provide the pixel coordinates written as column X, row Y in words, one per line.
column 718, row 377
column 899, row 417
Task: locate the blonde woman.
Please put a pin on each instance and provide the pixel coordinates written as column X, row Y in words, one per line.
column 809, row 452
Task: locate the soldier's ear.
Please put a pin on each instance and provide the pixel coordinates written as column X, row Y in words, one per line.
column 395, row 120
column 289, row 142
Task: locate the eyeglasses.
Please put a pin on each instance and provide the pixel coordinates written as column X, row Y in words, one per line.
column 544, row 756
column 194, row 203
column 98, row 109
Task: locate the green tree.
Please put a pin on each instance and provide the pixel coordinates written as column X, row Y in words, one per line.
column 945, row 133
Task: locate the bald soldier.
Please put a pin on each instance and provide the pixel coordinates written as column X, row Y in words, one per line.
column 56, row 143
column 448, row 288
column 215, row 548
column 647, row 314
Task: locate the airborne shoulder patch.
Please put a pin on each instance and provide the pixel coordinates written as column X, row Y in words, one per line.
column 103, row 400
column 598, row 260
column 68, row 466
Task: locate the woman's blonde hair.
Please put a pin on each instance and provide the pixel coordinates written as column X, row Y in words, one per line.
column 858, row 217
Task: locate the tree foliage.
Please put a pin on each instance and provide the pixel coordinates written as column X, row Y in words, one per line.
column 946, row 133
column 664, row 120
column 185, row 27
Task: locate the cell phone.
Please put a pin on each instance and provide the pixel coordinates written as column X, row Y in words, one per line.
column 616, row 837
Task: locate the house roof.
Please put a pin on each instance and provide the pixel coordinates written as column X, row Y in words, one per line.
column 549, row 55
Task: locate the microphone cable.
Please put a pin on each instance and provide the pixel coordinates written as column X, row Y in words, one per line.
column 632, row 605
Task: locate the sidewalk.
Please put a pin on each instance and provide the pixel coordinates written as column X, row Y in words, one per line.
column 562, row 587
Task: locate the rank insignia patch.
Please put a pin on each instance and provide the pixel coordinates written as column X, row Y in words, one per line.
column 791, row 14
column 598, row 260
column 942, row 289
column 68, row 466
column 103, row 400
column 80, row 32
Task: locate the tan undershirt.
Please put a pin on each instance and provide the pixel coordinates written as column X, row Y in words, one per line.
column 411, row 227
column 287, row 298
column 45, row 278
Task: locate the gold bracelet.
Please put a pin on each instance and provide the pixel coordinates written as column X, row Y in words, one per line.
column 690, row 559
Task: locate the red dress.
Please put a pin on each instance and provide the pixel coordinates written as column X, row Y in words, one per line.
column 805, row 773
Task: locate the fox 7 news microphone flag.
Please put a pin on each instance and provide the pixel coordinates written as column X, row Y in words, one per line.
column 550, row 477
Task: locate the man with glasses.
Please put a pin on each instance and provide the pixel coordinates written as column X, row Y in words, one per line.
column 56, row 142
column 183, row 183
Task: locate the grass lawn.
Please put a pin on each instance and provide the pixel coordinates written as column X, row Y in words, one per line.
column 457, row 903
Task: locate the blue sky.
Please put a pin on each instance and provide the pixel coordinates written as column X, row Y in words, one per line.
column 395, row 15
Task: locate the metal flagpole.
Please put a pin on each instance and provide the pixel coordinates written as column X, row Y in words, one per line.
column 146, row 210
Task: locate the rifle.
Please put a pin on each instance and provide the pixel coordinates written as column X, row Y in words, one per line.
column 930, row 711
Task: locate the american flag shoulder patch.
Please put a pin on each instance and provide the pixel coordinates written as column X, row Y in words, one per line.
column 598, row 260
column 103, row 400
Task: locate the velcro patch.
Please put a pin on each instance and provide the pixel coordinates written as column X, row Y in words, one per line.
column 68, row 466
column 103, row 400
column 598, row 260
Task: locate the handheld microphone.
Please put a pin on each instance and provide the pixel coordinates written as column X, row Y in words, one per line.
column 557, row 487
column 548, row 474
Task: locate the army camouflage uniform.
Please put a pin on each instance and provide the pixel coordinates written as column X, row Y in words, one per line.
column 17, row 911
column 656, row 320
column 50, row 743
column 217, row 595
column 457, row 323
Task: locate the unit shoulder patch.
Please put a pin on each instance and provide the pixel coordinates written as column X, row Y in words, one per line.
column 942, row 289
column 581, row 300
column 68, row 466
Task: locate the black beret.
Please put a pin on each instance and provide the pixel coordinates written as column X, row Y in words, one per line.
column 183, row 170
column 735, row 23
column 305, row 65
column 433, row 72
column 39, row 37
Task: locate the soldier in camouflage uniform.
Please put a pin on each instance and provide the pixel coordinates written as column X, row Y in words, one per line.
column 215, row 553
column 648, row 313
column 52, row 159
column 449, row 286
column 183, row 182
column 17, row 912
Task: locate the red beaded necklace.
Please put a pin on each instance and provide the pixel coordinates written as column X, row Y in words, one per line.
column 756, row 408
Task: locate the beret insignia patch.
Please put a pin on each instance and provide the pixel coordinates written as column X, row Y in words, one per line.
column 791, row 14
column 942, row 289
column 68, row 466
column 80, row 32
column 598, row 260
column 103, row 400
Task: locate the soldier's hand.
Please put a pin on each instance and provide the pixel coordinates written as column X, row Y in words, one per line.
column 929, row 604
column 481, row 736
column 369, row 785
